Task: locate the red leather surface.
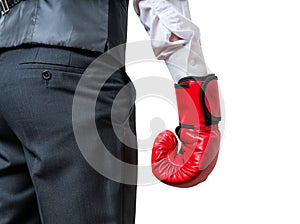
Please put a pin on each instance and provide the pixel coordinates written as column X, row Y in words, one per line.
column 197, row 156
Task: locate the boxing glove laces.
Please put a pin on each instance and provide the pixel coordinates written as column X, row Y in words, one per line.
column 199, row 115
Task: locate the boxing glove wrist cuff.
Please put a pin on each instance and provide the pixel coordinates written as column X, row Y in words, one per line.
column 200, row 96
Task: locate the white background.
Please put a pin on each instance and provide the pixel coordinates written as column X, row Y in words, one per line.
column 253, row 47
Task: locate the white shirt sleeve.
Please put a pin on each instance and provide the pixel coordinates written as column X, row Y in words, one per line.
column 161, row 18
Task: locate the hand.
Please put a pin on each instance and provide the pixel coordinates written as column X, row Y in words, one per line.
column 199, row 115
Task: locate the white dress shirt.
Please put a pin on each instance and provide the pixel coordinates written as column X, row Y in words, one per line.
column 161, row 18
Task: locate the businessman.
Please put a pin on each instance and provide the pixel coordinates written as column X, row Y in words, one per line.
column 45, row 46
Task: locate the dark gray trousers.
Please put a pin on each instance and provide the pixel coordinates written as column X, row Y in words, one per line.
column 43, row 175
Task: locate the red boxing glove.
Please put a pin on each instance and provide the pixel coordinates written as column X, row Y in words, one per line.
column 199, row 114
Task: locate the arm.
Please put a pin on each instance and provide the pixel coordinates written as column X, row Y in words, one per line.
column 173, row 36
column 176, row 40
